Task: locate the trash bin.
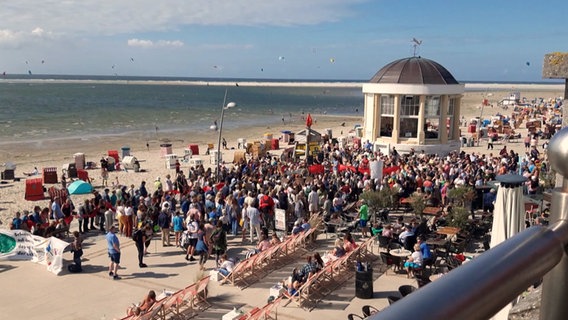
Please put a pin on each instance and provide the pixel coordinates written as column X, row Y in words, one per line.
column 364, row 284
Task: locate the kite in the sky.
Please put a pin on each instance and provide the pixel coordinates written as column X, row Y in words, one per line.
column 281, row 58
column 528, row 63
column 42, row 61
column 30, row 72
column 332, row 60
column 131, row 59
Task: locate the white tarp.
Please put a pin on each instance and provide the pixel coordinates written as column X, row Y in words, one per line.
column 22, row 245
column 376, row 169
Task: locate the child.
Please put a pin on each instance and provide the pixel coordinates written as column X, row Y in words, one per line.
column 77, row 249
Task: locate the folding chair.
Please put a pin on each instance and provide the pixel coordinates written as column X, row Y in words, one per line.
column 200, row 299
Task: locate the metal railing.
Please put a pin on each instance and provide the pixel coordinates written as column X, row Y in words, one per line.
column 482, row 287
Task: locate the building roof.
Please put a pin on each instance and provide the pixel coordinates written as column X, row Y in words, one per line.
column 414, row 70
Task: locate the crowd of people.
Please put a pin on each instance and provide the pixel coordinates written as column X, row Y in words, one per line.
column 202, row 210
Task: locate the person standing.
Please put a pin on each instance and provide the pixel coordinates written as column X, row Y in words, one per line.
column 192, row 229
column 254, row 219
column 77, row 249
column 139, row 237
column 363, row 218
column 164, row 224
column 56, row 209
column 313, row 201
column 177, row 224
column 83, row 216
column 113, row 245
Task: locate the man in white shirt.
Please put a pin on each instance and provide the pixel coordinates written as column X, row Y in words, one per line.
column 254, row 219
column 313, row 201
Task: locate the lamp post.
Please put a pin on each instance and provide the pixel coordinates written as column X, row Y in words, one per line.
column 218, row 159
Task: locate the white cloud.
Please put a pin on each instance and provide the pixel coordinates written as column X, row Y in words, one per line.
column 14, row 39
column 149, row 43
column 109, row 17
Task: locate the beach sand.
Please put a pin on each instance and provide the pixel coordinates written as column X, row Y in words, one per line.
column 56, row 153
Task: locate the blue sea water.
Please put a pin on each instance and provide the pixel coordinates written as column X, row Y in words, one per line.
column 38, row 110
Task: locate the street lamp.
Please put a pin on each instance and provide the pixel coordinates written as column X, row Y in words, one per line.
column 223, row 108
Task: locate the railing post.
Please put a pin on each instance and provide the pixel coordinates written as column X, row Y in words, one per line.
column 555, row 286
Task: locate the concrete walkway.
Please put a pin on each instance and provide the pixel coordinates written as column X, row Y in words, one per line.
column 31, row 292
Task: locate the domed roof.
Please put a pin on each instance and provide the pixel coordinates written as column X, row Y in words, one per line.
column 414, row 70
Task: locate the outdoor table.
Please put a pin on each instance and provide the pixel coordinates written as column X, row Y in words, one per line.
column 448, row 231
column 403, row 253
column 432, row 211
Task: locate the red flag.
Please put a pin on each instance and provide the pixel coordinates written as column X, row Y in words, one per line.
column 309, row 121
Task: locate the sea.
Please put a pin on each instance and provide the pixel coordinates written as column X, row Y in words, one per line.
column 45, row 107
column 40, row 107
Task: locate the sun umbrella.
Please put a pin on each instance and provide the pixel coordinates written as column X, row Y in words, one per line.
column 80, row 187
column 508, row 217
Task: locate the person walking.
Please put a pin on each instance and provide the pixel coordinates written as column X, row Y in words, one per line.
column 219, row 241
column 113, row 245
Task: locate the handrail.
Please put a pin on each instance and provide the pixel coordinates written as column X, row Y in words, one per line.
column 482, row 287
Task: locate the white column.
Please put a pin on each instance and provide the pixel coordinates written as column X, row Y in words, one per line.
column 396, row 121
column 421, row 121
column 442, row 129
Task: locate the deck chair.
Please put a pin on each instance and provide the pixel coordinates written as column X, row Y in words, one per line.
column 236, row 276
column 200, row 299
column 266, row 312
column 170, row 305
column 153, row 313
column 353, row 316
column 185, row 299
column 252, row 314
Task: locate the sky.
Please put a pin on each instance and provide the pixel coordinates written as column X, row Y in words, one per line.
column 481, row 40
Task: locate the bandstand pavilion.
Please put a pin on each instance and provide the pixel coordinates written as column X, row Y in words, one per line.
column 413, row 103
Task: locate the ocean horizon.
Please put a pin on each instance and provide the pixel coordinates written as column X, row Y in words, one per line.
column 44, row 107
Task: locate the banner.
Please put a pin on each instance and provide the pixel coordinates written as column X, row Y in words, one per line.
column 22, row 245
column 280, row 219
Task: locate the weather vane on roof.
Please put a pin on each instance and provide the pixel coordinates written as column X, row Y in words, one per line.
column 416, row 44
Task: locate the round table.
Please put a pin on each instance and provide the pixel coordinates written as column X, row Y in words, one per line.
column 400, row 253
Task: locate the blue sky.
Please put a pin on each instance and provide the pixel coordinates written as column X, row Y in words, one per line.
column 478, row 40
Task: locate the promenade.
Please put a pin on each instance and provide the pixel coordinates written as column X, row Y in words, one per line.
column 31, row 292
